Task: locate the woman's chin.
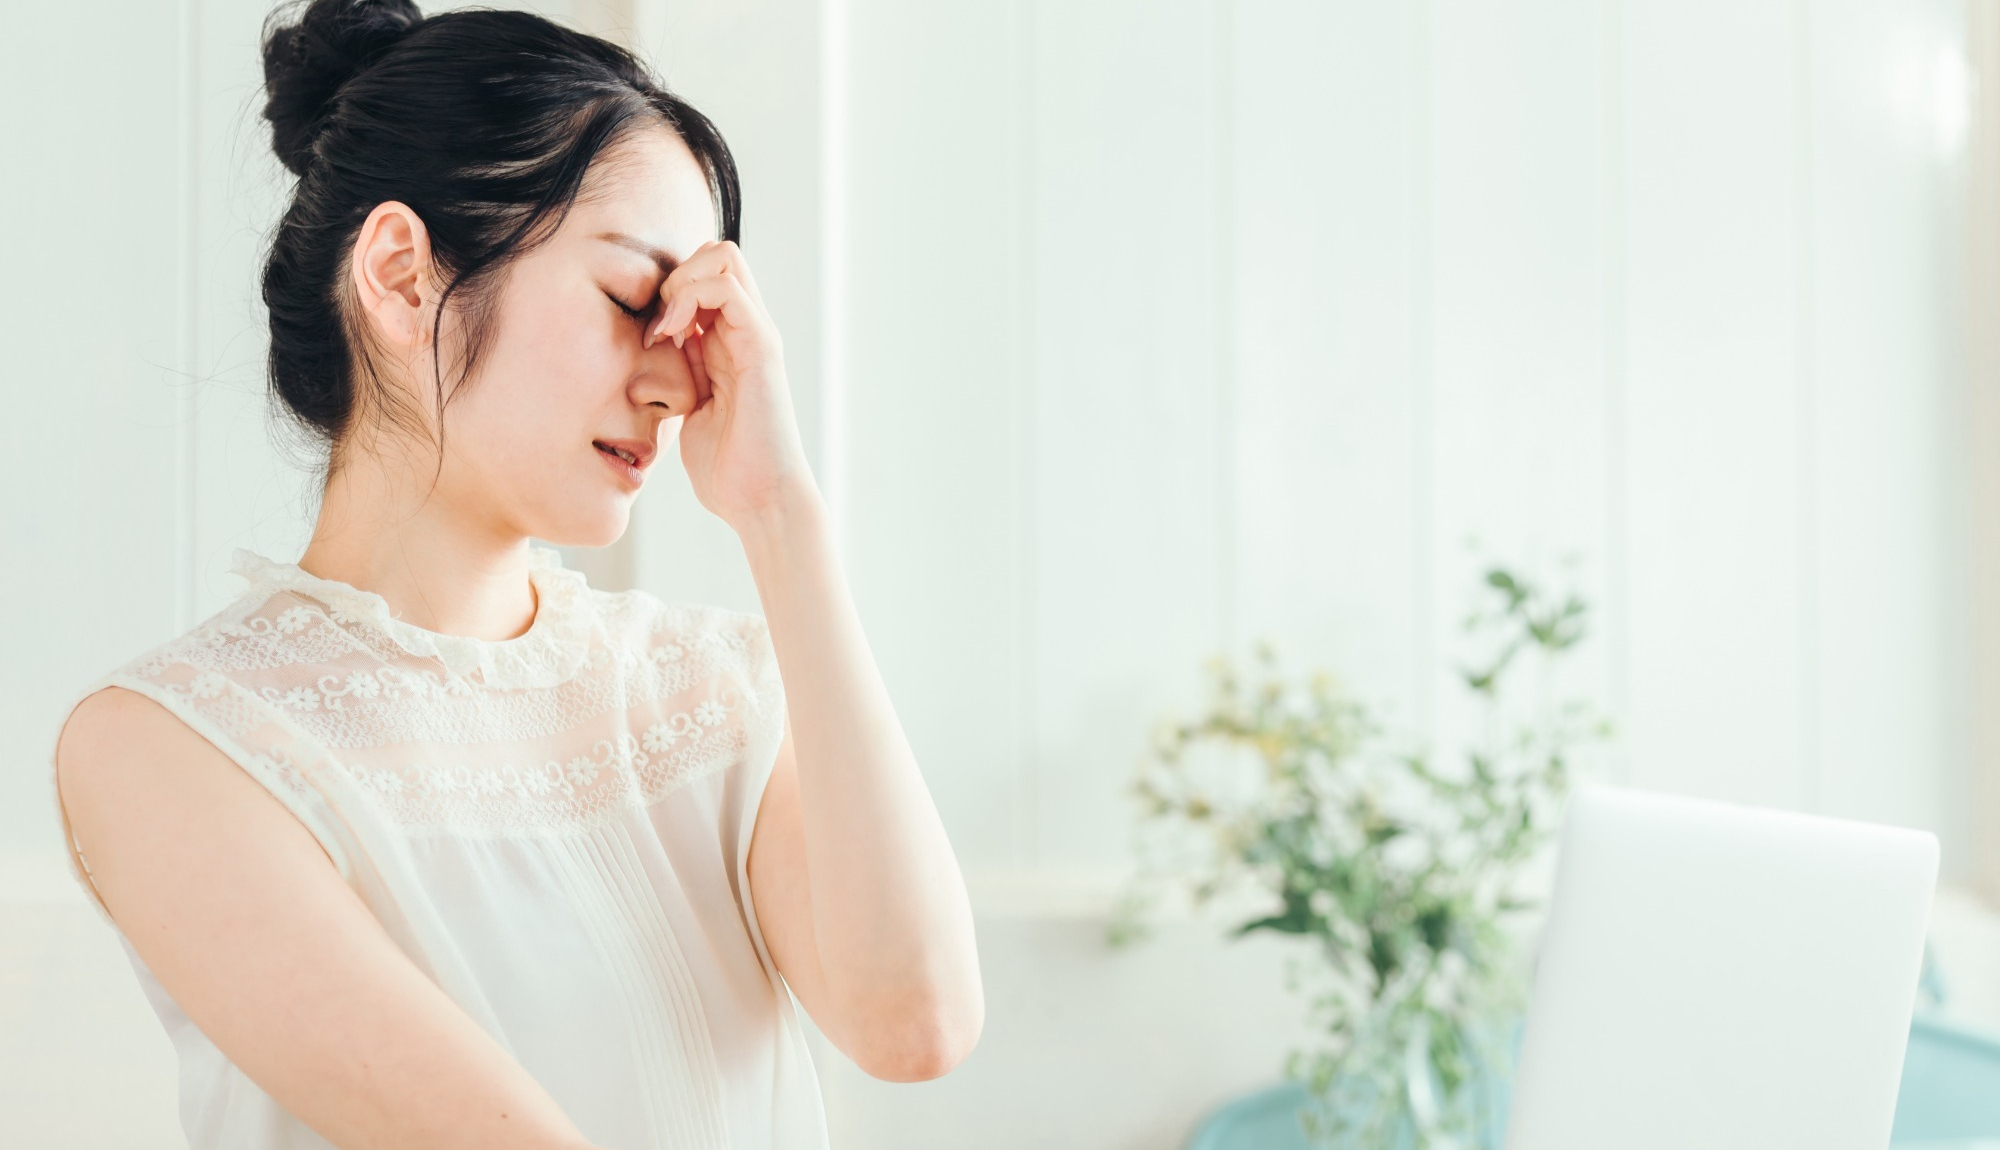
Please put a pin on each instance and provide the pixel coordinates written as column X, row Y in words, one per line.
column 602, row 530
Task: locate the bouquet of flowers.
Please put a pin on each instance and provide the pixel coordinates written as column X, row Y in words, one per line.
column 1402, row 870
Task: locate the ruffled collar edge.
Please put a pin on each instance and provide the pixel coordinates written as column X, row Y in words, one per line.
column 552, row 648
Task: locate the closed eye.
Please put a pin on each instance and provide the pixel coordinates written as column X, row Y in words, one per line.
column 635, row 313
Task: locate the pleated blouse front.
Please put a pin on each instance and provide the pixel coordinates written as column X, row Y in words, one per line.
column 555, row 828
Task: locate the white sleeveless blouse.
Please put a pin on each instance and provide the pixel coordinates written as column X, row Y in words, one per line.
column 555, row 828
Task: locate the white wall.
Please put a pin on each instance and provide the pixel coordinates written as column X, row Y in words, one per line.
column 1123, row 333
column 104, row 303
column 1177, row 323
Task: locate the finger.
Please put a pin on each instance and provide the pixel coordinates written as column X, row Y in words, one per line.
column 718, row 256
column 712, row 294
column 698, row 367
column 722, row 294
column 699, row 263
column 715, row 258
column 740, row 268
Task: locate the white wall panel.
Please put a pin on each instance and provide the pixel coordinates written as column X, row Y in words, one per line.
column 934, row 364
column 1125, row 478
column 1712, row 378
column 1515, row 389
column 253, row 483
column 96, row 326
column 1326, row 223
column 96, row 337
column 1886, row 620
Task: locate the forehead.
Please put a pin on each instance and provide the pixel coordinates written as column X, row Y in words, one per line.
column 650, row 187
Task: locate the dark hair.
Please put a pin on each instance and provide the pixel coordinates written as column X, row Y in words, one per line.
column 483, row 121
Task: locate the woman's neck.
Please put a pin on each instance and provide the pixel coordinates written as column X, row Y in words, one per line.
column 381, row 528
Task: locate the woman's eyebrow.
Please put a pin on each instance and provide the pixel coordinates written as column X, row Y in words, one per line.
column 658, row 255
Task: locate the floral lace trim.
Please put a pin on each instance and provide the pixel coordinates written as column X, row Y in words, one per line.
column 349, row 694
column 680, row 694
column 617, row 772
column 550, row 651
column 567, row 793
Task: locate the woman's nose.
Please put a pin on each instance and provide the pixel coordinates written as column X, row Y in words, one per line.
column 666, row 379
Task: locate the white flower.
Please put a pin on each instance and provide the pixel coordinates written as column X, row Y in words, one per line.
column 709, row 713
column 208, row 685
column 363, row 685
column 294, row 620
column 659, row 737
column 302, row 698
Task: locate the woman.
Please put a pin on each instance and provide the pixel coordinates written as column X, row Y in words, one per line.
column 422, row 841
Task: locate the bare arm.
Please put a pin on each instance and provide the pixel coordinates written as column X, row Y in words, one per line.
column 861, row 898
column 854, row 880
column 244, row 920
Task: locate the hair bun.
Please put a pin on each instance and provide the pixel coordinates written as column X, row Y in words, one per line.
column 307, row 59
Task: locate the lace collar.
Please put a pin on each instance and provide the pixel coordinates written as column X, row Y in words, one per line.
column 552, row 649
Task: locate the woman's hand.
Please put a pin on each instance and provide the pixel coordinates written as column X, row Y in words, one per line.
column 740, row 444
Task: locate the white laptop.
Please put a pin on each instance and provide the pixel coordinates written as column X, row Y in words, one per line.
column 1719, row 977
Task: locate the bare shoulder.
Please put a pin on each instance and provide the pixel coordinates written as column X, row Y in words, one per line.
column 126, row 767
column 241, row 915
column 103, row 723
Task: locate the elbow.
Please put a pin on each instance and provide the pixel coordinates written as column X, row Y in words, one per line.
column 920, row 1062
column 929, row 1048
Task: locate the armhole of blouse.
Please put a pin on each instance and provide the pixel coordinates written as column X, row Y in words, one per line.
column 258, row 767
column 760, row 675
column 79, row 868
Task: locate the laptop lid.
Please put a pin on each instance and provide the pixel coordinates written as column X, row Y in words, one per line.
column 1721, row 977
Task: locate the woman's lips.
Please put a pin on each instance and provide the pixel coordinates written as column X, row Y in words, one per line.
column 627, row 472
column 639, row 452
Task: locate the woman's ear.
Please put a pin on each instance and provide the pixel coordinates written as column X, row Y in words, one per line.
column 392, row 275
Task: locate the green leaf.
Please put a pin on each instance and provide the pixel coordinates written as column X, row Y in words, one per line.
column 1296, row 918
